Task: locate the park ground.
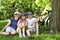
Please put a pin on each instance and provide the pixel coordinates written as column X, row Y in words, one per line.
column 42, row 35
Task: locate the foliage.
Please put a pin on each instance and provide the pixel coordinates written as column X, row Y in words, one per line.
column 7, row 7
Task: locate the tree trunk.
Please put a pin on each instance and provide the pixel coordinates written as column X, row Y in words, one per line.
column 54, row 19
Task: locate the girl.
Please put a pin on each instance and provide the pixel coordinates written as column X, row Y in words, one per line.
column 22, row 23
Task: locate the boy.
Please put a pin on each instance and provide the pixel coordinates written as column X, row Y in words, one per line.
column 31, row 25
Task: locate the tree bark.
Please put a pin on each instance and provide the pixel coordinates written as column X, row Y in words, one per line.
column 55, row 17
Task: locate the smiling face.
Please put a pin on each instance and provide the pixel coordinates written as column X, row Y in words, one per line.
column 30, row 16
column 23, row 17
column 16, row 15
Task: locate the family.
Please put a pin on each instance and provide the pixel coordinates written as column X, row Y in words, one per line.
column 24, row 25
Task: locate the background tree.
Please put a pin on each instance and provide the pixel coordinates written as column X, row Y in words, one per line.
column 7, row 7
column 55, row 16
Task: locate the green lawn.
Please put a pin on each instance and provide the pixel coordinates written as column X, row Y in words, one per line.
column 42, row 36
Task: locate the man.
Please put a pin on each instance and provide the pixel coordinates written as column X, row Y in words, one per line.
column 31, row 26
column 11, row 25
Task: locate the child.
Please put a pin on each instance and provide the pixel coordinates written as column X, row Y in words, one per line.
column 31, row 26
column 22, row 23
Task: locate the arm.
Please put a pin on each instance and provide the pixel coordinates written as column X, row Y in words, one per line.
column 19, row 23
column 36, row 20
column 9, row 22
column 25, row 24
column 37, row 29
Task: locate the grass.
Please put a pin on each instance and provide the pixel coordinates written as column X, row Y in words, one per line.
column 42, row 36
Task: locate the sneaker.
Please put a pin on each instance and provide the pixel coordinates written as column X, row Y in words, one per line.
column 20, row 36
column 24, row 36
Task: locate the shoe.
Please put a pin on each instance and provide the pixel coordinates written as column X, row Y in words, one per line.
column 24, row 36
column 20, row 36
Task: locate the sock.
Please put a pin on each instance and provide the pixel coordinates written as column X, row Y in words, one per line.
column 23, row 32
column 20, row 34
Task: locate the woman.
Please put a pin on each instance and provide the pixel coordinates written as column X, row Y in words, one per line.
column 11, row 25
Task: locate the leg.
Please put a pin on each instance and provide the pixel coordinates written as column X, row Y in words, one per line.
column 17, row 30
column 23, row 32
column 37, row 30
column 4, row 33
column 28, row 33
column 12, row 32
column 20, row 33
column 9, row 31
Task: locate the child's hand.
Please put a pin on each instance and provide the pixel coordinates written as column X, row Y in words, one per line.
column 23, row 24
column 20, row 25
column 31, row 24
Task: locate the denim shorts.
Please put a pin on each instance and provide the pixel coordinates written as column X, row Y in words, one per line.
column 10, row 29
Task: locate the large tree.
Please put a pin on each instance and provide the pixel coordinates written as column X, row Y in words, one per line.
column 55, row 17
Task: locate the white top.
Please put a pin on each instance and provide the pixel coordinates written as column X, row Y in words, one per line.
column 30, row 21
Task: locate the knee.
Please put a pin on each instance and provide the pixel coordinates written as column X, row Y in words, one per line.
column 17, row 30
column 12, row 33
column 27, row 30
